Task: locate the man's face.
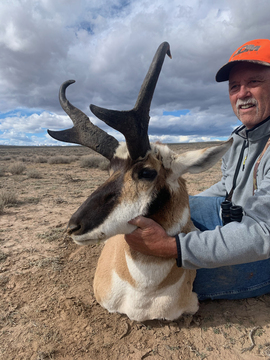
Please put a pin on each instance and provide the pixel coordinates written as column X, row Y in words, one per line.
column 249, row 91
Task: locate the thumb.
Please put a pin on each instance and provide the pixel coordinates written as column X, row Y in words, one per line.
column 141, row 222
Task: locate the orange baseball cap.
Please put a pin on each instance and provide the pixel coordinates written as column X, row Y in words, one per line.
column 255, row 51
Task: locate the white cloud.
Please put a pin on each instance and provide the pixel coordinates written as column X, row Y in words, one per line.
column 107, row 48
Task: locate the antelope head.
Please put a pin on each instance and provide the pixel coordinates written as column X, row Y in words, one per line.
column 145, row 179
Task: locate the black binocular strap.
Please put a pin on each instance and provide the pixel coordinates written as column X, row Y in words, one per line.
column 229, row 196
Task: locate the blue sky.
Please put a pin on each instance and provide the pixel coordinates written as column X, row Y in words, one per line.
column 107, row 47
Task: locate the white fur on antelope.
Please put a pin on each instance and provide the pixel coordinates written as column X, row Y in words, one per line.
column 145, row 179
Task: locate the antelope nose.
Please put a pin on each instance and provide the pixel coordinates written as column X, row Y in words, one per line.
column 73, row 228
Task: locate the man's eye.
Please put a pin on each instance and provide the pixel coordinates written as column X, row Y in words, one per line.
column 254, row 82
column 234, row 88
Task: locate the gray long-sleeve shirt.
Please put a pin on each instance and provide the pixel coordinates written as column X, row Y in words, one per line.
column 248, row 241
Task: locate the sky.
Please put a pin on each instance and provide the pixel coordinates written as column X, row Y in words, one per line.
column 107, row 47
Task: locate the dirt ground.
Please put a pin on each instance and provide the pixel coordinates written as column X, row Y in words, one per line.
column 47, row 306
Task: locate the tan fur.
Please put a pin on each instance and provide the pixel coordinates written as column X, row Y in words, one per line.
column 186, row 288
column 146, row 287
column 112, row 258
column 115, row 252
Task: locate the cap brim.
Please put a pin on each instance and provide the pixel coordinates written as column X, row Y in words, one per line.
column 224, row 72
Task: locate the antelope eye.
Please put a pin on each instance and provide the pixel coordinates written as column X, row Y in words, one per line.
column 147, row 174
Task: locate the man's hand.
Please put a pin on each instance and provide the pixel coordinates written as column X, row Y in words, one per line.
column 151, row 239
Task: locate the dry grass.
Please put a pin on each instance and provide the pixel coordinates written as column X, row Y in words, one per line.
column 6, row 158
column 34, row 174
column 47, row 305
column 17, row 168
column 94, row 162
column 50, row 235
column 40, row 160
column 59, row 160
column 27, row 159
column 7, row 199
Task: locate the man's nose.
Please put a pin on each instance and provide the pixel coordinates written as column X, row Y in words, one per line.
column 243, row 92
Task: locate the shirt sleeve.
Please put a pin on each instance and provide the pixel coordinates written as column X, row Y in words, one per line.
column 234, row 243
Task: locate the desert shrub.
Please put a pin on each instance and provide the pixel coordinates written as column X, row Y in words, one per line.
column 104, row 165
column 41, row 159
column 73, row 158
column 25, row 159
column 7, row 199
column 2, row 172
column 3, row 256
column 94, row 161
column 90, row 161
column 6, row 158
column 59, row 160
column 17, row 168
column 2, row 205
column 34, row 174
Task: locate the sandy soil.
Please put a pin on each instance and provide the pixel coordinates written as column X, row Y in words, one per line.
column 47, row 306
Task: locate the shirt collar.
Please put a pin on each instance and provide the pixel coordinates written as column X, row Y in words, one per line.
column 258, row 132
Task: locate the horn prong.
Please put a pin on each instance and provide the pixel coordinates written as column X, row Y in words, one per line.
column 84, row 132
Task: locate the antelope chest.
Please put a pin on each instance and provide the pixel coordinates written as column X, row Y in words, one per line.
column 153, row 289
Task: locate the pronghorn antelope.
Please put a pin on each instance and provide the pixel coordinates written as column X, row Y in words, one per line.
column 145, row 179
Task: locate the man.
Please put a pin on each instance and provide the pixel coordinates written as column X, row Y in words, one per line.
column 232, row 260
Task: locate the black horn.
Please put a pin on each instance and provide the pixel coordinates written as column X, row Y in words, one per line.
column 133, row 124
column 84, row 132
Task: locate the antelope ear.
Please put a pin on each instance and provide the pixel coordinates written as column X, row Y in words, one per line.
column 197, row 161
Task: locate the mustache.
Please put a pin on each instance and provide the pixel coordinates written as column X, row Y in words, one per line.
column 241, row 102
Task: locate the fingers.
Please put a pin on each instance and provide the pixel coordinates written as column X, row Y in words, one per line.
column 141, row 222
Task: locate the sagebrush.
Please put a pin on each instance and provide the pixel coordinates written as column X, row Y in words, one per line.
column 7, row 199
column 17, row 168
column 95, row 162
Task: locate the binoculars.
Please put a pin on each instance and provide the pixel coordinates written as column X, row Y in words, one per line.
column 230, row 212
